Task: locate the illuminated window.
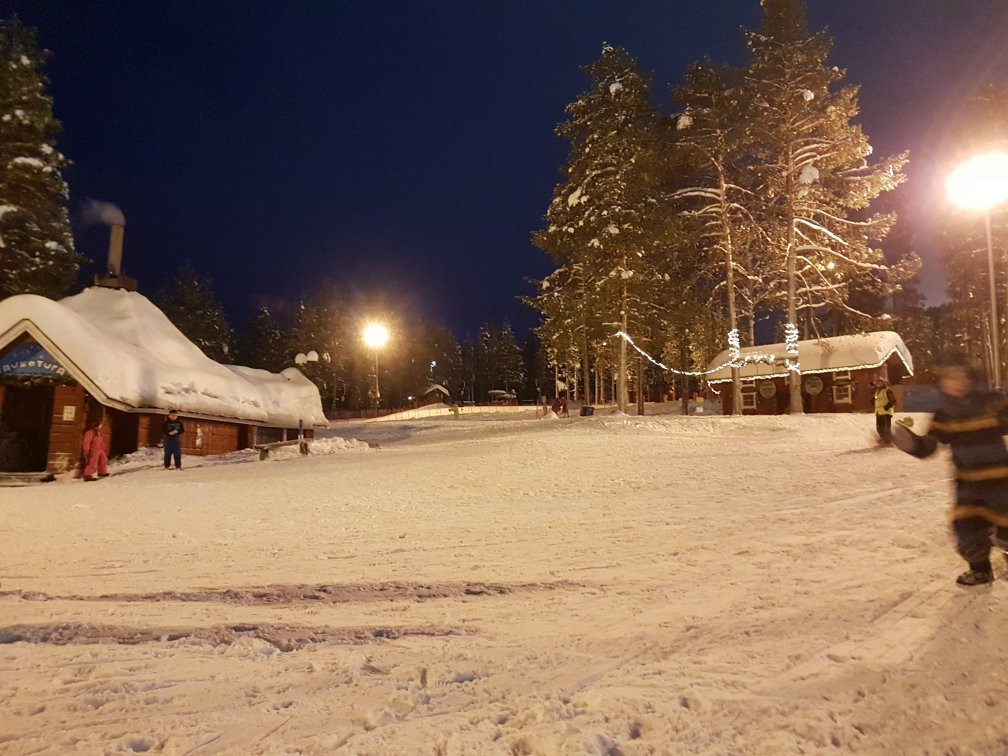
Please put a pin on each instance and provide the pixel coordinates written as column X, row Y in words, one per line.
column 843, row 393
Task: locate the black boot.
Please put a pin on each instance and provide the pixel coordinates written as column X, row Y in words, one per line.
column 978, row 574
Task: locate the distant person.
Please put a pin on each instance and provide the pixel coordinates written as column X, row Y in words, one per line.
column 93, row 447
column 972, row 421
column 173, row 430
column 559, row 406
column 885, row 406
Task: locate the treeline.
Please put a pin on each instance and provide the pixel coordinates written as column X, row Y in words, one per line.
column 750, row 202
column 417, row 356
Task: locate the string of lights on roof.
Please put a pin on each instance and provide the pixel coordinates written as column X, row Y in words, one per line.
column 737, row 359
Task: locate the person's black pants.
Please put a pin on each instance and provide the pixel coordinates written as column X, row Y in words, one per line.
column 172, row 448
column 973, row 541
column 883, row 424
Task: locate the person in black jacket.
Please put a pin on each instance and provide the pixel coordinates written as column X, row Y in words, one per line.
column 173, row 430
column 973, row 422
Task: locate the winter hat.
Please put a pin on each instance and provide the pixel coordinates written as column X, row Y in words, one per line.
column 958, row 361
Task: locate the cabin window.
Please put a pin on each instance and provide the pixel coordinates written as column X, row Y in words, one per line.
column 842, row 375
column 843, row 393
column 749, row 400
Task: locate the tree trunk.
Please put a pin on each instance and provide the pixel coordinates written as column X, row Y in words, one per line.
column 598, row 379
column 736, row 381
column 622, row 377
column 640, row 385
column 685, row 381
column 794, row 378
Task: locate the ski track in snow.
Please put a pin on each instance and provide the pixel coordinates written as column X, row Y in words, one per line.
column 585, row 585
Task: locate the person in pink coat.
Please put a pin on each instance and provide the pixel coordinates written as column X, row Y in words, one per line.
column 95, row 458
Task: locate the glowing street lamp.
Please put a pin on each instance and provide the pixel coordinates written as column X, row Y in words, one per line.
column 375, row 336
column 979, row 184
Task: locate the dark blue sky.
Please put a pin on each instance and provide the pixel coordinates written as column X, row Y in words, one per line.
column 406, row 149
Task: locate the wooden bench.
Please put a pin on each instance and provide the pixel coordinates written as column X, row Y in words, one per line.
column 265, row 449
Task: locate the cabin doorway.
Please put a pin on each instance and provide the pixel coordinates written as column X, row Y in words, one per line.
column 124, row 432
column 25, row 419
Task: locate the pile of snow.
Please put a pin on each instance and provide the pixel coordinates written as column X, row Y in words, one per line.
column 320, row 446
column 154, row 455
column 125, row 350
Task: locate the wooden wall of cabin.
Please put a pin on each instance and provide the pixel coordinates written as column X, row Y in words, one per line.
column 66, row 431
column 201, row 437
column 861, row 396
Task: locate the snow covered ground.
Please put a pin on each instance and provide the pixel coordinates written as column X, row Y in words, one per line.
column 607, row 585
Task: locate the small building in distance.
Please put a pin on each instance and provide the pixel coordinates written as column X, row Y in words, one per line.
column 836, row 373
column 435, row 394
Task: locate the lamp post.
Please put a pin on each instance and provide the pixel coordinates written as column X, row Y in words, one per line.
column 979, row 184
column 375, row 336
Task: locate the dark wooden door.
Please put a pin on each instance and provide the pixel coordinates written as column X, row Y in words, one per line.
column 25, row 419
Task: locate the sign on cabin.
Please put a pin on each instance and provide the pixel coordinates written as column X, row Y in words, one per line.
column 30, row 359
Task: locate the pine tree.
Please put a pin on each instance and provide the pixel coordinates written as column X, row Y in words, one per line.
column 509, row 358
column 598, row 218
column 711, row 132
column 37, row 254
column 260, row 342
column 563, row 302
column 321, row 325
column 814, row 176
column 430, row 355
column 188, row 301
column 487, row 369
column 535, row 365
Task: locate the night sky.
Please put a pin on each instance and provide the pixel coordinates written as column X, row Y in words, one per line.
column 406, row 149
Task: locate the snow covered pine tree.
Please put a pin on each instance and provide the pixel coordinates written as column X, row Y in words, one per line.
column 37, row 254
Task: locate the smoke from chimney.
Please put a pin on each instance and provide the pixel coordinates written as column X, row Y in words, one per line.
column 95, row 211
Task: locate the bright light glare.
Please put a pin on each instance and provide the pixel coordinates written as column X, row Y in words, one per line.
column 981, row 182
column 375, row 335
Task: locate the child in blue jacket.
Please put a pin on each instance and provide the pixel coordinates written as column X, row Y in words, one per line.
column 173, row 430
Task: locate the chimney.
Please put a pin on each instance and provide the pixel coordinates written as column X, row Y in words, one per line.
column 115, row 250
column 114, row 279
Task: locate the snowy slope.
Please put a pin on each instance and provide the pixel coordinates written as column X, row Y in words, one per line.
column 655, row 585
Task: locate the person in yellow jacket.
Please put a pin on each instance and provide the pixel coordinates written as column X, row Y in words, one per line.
column 885, row 407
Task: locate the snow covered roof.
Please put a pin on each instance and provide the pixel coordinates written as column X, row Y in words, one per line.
column 856, row 352
column 127, row 354
column 437, row 387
